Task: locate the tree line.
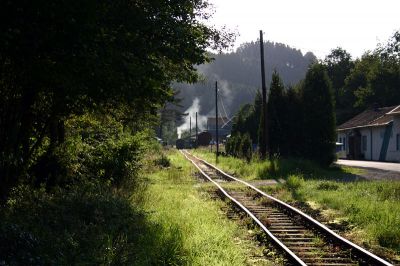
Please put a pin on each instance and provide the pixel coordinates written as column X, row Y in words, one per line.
column 238, row 74
column 370, row 80
column 69, row 58
column 302, row 118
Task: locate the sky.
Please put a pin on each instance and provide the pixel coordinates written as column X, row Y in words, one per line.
column 311, row 25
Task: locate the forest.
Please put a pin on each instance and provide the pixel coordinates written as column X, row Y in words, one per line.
column 81, row 84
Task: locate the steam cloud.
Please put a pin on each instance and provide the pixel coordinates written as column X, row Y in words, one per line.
column 201, row 120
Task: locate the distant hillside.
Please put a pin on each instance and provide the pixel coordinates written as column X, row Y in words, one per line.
column 238, row 74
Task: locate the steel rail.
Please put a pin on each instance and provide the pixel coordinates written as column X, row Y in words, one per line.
column 248, row 212
column 371, row 257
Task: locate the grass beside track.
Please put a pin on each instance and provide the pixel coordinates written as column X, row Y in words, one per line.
column 369, row 211
column 190, row 220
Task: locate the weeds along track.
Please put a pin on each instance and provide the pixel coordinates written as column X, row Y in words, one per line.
column 304, row 240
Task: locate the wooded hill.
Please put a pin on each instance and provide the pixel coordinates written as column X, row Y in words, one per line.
column 238, row 74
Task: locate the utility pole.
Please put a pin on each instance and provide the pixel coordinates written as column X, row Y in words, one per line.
column 264, row 136
column 216, row 118
column 190, row 127
column 197, row 131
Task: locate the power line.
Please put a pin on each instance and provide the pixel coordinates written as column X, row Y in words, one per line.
column 223, row 108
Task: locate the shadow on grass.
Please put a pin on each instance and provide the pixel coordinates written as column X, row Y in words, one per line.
column 283, row 168
column 86, row 225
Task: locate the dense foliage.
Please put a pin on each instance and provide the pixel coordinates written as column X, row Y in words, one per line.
column 362, row 83
column 81, row 86
column 65, row 58
column 301, row 121
column 318, row 124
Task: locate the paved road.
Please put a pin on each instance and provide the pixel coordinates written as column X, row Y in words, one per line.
column 393, row 167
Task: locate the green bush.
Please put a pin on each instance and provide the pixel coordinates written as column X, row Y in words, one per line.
column 163, row 161
column 87, row 224
column 96, row 147
column 228, row 146
column 236, row 144
column 245, row 149
column 294, row 182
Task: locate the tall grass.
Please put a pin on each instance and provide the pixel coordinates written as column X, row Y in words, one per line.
column 236, row 166
column 371, row 207
column 201, row 235
column 276, row 168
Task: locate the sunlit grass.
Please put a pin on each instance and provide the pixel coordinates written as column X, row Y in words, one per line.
column 372, row 208
column 203, row 235
column 235, row 166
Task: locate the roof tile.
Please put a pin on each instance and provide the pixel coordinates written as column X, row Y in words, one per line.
column 370, row 117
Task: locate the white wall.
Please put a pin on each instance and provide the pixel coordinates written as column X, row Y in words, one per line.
column 377, row 134
column 377, row 140
column 393, row 154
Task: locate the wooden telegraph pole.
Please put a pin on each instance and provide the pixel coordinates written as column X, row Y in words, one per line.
column 216, row 119
column 264, row 136
column 197, row 131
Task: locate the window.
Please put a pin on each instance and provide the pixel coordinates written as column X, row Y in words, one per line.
column 364, row 143
column 344, row 143
column 398, row 142
column 341, row 146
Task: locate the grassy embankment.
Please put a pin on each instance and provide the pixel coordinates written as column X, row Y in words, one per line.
column 202, row 235
column 370, row 210
column 164, row 219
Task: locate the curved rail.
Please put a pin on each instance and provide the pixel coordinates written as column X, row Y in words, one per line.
column 248, row 212
column 322, row 228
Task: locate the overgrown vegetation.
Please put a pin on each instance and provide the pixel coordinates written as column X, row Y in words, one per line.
column 80, row 88
column 77, row 210
column 301, row 120
column 370, row 208
column 362, row 83
column 62, row 59
column 240, row 146
column 200, row 236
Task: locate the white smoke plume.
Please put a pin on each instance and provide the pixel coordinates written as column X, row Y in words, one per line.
column 191, row 111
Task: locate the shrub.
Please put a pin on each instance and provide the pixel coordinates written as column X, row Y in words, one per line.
column 228, row 146
column 294, row 182
column 96, row 147
column 246, row 147
column 87, row 224
column 236, row 145
column 163, row 161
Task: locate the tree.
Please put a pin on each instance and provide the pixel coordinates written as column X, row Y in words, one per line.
column 319, row 127
column 375, row 78
column 65, row 57
column 246, row 148
column 276, row 112
column 248, row 118
column 293, row 123
column 339, row 65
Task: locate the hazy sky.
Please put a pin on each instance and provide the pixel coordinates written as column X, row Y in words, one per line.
column 312, row 25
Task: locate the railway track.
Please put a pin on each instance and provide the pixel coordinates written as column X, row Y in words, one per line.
column 304, row 240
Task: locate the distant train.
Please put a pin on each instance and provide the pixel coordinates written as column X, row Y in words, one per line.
column 181, row 144
column 204, row 138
